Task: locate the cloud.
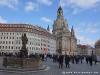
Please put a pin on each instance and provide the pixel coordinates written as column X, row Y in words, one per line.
column 85, row 41
column 92, row 31
column 88, row 27
column 46, row 19
column 30, row 6
column 79, row 5
column 9, row 3
column 47, row 2
column 2, row 20
column 85, row 32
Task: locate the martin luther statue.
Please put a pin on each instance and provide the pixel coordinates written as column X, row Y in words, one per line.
column 24, row 51
column 24, row 41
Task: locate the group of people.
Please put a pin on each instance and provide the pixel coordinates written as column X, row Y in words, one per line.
column 75, row 59
column 62, row 58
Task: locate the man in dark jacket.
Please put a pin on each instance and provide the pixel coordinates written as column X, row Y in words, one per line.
column 67, row 60
column 87, row 59
column 90, row 60
column 60, row 60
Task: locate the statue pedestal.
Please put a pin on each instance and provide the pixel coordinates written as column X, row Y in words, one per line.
column 23, row 53
column 22, row 62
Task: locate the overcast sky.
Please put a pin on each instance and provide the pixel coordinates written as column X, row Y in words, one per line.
column 83, row 15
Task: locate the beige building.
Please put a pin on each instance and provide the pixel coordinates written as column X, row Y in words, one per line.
column 66, row 42
column 10, row 38
column 85, row 50
column 97, row 48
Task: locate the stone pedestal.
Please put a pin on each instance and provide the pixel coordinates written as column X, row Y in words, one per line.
column 22, row 62
column 23, row 53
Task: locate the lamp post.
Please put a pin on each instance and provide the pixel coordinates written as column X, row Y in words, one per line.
column 70, row 45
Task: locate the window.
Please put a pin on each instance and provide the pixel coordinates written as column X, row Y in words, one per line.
column 0, row 42
column 19, row 42
column 3, row 47
column 0, row 47
column 13, row 38
column 12, row 42
column 6, row 42
column 1, row 37
column 9, row 42
column 12, row 47
column 3, row 42
column 16, row 47
column 6, row 47
column 9, row 47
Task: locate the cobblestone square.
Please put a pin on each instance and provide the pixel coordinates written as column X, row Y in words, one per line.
column 53, row 69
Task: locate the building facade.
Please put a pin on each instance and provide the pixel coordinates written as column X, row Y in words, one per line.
column 66, row 42
column 97, row 47
column 10, row 38
column 85, row 50
column 52, row 45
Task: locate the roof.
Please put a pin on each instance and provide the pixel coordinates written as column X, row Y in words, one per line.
column 60, row 8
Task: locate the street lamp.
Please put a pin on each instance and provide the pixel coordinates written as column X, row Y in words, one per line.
column 70, row 45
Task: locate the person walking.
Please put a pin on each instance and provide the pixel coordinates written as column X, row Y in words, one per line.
column 95, row 59
column 60, row 60
column 76, row 59
column 73, row 58
column 90, row 60
column 81, row 58
column 45, row 57
column 87, row 59
column 67, row 60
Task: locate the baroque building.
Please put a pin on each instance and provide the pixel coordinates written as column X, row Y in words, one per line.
column 66, row 42
column 39, row 39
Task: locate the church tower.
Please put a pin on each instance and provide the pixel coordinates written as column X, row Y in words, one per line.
column 64, row 38
column 48, row 28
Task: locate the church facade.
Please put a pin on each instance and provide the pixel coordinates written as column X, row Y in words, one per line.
column 66, row 42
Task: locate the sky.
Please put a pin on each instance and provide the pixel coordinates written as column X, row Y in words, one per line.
column 83, row 15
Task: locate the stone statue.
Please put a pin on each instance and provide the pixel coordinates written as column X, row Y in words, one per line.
column 24, row 51
column 24, row 41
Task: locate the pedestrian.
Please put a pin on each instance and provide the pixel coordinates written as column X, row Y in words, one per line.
column 45, row 57
column 67, row 61
column 60, row 60
column 90, row 60
column 42, row 57
column 95, row 59
column 73, row 58
column 76, row 59
column 81, row 57
column 87, row 59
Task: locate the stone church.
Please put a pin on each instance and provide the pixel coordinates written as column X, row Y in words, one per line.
column 66, row 42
